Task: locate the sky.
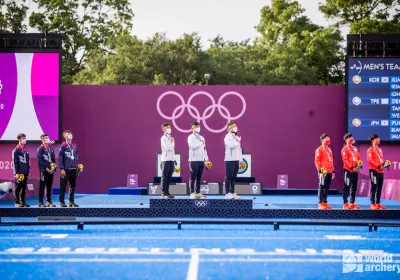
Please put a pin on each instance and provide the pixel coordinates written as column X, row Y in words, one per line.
column 232, row 19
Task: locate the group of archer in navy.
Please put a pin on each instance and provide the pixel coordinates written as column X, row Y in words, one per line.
column 68, row 164
column 351, row 165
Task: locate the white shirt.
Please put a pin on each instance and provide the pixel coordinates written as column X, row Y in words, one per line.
column 167, row 148
column 197, row 150
column 233, row 151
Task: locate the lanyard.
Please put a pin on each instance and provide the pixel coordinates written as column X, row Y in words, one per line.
column 23, row 150
column 48, row 151
column 352, row 152
column 379, row 155
column 329, row 155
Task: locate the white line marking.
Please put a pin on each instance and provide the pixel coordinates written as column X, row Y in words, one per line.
column 191, row 238
column 344, row 237
column 134, row 251
column 54, row 236
column 193, row 269
column 216, row 260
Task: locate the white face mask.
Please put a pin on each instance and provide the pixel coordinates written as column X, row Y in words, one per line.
column 197, row 129
column 235, row 129
column 69, row 137
column 168, row 131
column 23, row 142
column 47, row 141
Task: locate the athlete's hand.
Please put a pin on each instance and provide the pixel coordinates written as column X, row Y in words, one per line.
column 17, row 176
column 333, row 176
column 172, row 140
column 63, row 174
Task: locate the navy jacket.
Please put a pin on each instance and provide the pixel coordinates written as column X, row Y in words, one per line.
column 20, row 157
column 65, row 161
column 44, row 156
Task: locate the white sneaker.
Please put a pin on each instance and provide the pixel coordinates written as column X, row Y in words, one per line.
column 229, row 196
column 201, row 196
column 235, row 196
column 193, row 196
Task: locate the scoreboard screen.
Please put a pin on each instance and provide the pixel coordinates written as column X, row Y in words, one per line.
column 373, row 98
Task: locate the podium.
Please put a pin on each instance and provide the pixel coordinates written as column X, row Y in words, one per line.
column 226, row 204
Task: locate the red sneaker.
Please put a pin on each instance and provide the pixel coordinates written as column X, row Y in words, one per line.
column 347, row 206
column 328, row 206
column 374, row 207
column 323, row 206
column 354, row 206
column 380, row 206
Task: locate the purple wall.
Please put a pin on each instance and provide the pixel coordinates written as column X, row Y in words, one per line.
column 117, row 129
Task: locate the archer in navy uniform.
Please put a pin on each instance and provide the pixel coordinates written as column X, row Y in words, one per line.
column 46, row 156
column 68, row 162
column 20, row 157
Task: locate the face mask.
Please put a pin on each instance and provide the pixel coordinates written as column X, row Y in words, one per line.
column 197, row 129
column 377, row 142
column 47, row 141
column 168, row 131
column 69, row 137
column 328, row 141
column 23, row 142
column 235, row 129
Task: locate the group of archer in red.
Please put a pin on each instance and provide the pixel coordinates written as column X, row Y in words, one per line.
column 351, row 164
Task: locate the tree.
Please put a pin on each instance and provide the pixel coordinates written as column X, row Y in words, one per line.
column 85, row 25
column 234, row 63
column 365, row 16
column 299, row 52
column 154, row 61
column 12, row 16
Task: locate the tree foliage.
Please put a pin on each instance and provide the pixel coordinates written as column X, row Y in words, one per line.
column 365, row 16
column 12, row 16
column 85, row 25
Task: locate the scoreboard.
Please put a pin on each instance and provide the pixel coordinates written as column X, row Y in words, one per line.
column 373, row 98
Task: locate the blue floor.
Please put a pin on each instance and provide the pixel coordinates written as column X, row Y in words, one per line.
column 273, row 201
column 198, row 251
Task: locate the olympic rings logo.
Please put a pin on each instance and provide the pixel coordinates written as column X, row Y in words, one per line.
column 208, row 112
column 201, row 203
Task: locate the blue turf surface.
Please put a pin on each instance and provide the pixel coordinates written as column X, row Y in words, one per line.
column 195, row 252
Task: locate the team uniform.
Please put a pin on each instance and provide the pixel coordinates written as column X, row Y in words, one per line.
column 324, row 159
column 46, row 156
column 197, row 156
column 350, row 156
column 167, row 162
column 20, row 157
column 233, row 155
column 375, row 162
column 68, row 161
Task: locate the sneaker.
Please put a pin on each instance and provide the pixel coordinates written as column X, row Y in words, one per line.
column 355, row 206
column 41, row 205
column 373, row 207
column 235, row 196
column 322, row 206
column 168, row 195
column 50, row 204
column 327, row 205
column 380, row 206
column 201, row 196
column 73, row 205
column 17, row 205
column 193, row 196
column 229, row 196
column 25, row 205
column 62, row 204
column 347, row 206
